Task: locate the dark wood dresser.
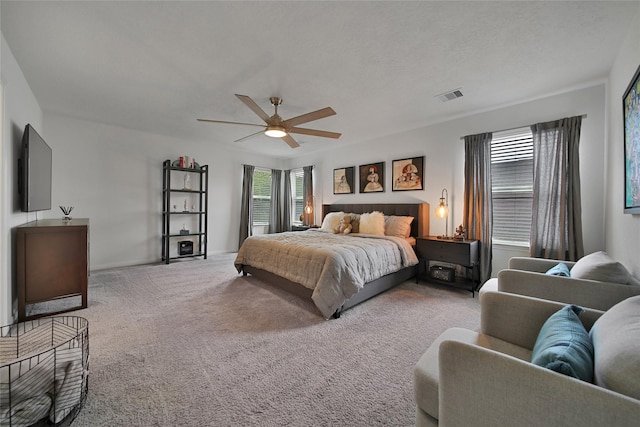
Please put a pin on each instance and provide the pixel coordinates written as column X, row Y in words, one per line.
column 51, row 263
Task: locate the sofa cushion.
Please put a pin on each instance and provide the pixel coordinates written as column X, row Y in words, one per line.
column 559, row 269
column 599, row 266
column 564, row 345
column 616, row 344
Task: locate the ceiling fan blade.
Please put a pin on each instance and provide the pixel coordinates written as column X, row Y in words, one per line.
column 229, row 123
column 309, row 117
column 260, row 132
column 254, row 107
column 289, row 140
column 314, row 132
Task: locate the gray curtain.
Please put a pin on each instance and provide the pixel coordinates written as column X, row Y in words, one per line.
column 478, row 205
column 556, row 226
column 287, row 200
column 246, row 207
column 276, row 224
column 307, row 189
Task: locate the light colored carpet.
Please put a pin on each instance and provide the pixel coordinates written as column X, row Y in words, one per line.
column 195, row 344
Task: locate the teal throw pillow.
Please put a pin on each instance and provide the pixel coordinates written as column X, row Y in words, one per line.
column 559, row 270
column 564, row 345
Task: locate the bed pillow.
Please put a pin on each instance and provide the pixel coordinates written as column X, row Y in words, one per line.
column 355, row 222
column 560, row 269
column 564, row 345
column 372, row 223
column 616, row 346
column 599, row 266
column 331, row 221
column 399, row 226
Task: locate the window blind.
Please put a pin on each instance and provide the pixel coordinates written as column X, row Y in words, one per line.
column 512, row 186
column 297, row 181
column 261, row 196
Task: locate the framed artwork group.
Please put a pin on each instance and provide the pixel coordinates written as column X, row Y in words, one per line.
column 406, row 175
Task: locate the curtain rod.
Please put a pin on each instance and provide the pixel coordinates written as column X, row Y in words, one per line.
column 584, row 116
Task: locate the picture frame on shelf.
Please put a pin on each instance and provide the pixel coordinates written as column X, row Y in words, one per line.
column 343, row 180
column 631, row 125
column 408, row 174
column 372, row 178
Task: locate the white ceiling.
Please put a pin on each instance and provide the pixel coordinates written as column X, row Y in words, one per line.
column 157, row 66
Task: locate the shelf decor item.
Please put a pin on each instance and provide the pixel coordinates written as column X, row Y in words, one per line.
column 631, row 114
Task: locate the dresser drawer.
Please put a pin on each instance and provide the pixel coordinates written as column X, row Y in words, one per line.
column 450, row 251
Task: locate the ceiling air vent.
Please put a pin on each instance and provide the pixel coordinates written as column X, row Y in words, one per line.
column 448, row 96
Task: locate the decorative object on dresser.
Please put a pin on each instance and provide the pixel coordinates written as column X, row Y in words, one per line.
column 52, row 263
column 461, row 252
column 193, row 222
column 66, row 210
column 408, row 174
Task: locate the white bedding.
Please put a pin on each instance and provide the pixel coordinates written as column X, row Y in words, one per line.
column 334, row 266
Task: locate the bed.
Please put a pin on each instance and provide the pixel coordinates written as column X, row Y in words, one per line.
column 327, row 267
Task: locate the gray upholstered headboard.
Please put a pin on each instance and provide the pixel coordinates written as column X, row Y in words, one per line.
column 419, row 211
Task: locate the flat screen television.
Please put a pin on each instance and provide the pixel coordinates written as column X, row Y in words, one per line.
column 34, row 172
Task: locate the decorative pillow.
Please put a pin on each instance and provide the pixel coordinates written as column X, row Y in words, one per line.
column 399, row 226
column 616, row 346
column 599, row 266
column 331, row 221
column 559, row 270
column 372, row 223
column 564, row 345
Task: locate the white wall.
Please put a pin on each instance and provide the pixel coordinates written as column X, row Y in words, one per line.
column 622, row 230
column 20, row 107
column 113, row 176
column 444, row 160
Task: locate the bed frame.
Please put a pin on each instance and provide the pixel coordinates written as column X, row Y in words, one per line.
column 419, row 227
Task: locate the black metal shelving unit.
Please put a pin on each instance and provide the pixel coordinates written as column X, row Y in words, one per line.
column 199, row 197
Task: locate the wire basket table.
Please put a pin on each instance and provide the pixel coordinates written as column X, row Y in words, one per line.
column 44, row 367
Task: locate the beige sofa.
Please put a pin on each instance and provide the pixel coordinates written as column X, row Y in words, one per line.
column 597, row 281
column 485, row 378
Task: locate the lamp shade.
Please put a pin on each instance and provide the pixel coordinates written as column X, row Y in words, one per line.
column 442, row 211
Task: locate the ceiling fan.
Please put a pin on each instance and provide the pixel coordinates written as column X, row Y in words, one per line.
column 278, row 128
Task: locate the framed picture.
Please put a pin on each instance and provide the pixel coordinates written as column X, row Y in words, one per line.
column 343, row 180
column 372, row 178
column 631, row 114
column 408, row 174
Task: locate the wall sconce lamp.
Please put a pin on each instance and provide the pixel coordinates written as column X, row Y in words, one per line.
column 442, row 211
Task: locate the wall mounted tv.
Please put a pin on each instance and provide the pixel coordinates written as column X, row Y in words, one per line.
column 34, row 172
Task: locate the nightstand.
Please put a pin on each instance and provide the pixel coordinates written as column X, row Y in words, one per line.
column 300, row 227
column 462, row 252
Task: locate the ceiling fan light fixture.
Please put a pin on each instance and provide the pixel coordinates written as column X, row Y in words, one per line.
column 275, row 131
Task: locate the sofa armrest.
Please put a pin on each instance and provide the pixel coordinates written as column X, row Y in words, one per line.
column 480, row 387
column 517, row 319
column 583, row 292
column 540, row 265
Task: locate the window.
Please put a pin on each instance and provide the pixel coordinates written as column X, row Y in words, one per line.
column 297, row 182
column 512, row 186
column 261, row 196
